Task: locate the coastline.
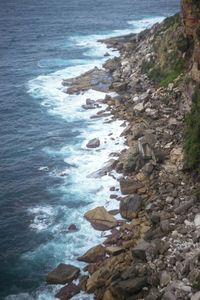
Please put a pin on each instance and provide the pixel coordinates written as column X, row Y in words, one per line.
column 137, row 259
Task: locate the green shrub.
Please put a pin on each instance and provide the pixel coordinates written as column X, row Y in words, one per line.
column 198, row 32
column 182, row 43
column 173, row 75
column 192, row 133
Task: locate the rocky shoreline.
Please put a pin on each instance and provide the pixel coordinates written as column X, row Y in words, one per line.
column 154, row 251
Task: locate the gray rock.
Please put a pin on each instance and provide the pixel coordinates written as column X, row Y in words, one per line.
column 183, row 207
column 168, row 296
column 140, row 251
column 129, row 207
column 196, row 296
column 131, row 286
column 94, row 143
column 164, row 278
column 164, row 225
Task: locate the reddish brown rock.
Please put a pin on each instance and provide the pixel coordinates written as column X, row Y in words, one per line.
column 63, row 274
column 93, row 255
column 129, row 186
column 72, row 227
column 100, row 219
column 68, row 291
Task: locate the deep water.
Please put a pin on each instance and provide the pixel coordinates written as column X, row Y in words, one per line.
column 44, row 132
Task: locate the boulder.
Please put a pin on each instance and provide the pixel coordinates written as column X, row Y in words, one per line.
column 129, row 186
column 100, row 219
column 131, row 286
column 68, row 291
column 114, row 250
column 72, row 227
column 140, row 251
column 94, row 143
column 146, row 146
column 88, row 106
column 112, row 64
column 109, row 166
column 63, row 274
column 93, row 255
column 129, row 207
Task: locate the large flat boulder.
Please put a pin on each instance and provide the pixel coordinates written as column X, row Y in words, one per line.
column 63, row 274
column 100, row 219
column 93, row 255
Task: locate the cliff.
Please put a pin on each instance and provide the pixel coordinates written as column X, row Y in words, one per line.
column 153, row 253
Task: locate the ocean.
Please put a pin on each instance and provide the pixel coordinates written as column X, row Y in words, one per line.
column 44, row 132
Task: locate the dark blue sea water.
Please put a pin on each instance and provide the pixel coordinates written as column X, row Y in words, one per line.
column 43, row 132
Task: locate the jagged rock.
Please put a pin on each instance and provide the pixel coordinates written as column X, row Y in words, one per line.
column 112, row 64
column 63, row 274
column 100, row 219
column 68, row 291
column 93, row 255
column 88, row 106
column 129, row 207
column 94, row 143
column 129, row 186
column 146, row 146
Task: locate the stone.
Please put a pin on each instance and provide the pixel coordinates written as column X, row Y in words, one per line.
column 140, row 251
column 90, row 101
column 130, row 207
column 94, row 143
column 164, row 278
column 68, row 291
column 197, row 220
column 131, row 286
column 114, row 250
column 168, row 296
column 63, row 274
column 108, row 166
column 183, row 207
column 88, row 106
column 138, row 108
column 196, row 296
column 100, row 219
column 93, row 255
column 146, row 146
column 129, row 186
column 82, row 282
column 72, row 227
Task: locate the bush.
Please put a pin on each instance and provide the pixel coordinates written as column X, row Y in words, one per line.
column 182, row 43
column 192, row 133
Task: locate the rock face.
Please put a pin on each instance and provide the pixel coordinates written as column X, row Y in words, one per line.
column 63, row 274
column 94, row 143
column 100, row 219
column 190, row 20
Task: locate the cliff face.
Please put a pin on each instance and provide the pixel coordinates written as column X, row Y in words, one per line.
column 190, row 17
